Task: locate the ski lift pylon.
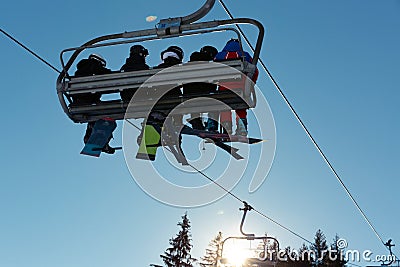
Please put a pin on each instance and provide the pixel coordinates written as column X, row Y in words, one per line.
column 68, row 85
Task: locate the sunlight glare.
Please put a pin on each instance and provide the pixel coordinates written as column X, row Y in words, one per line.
column 236, row 255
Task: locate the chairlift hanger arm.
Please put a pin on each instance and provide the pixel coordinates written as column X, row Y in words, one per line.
column 246, row 208
column 195, row 16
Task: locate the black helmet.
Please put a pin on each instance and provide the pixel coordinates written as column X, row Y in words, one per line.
column 175, row 49
column 98, row 58
column 139, row 49
column 197, row 56
column 209, row 51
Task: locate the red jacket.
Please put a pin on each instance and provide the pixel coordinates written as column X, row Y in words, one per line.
column 232, row 55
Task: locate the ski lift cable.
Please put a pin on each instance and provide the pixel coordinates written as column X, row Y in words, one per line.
column 305, row 128
column 29, row 50
column 217, row 184
column 282, row 226
column 233, row 195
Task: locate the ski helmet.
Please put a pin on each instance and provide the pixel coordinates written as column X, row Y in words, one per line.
column 98, row 58
column 209, row 51
column 139, row 49
column 175, row 49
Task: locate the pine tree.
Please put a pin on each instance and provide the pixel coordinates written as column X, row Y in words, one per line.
column 178, row 255
column 320, row 249
column 290, row 256
column 212, row 252
column 336, row 258
column 304, row 256
column 271, row 247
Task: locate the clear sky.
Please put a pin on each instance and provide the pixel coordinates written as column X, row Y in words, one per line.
column 337, row 62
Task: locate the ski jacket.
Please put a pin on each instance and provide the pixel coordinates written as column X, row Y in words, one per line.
column 135, row 62
column 197, row 87
column 89, row 67
column 232, row 51
column 169, row 62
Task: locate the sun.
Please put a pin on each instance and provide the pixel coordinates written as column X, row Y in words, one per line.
column 235, row 256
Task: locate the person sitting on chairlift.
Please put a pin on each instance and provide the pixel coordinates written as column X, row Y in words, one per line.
column 93, row 65
column 171, row 56
column 150, row 137
column 232, row 51
column 135, row 61
column 206, row 53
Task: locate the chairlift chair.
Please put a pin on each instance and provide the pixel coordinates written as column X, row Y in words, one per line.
column 68, row 85
column 257, row 261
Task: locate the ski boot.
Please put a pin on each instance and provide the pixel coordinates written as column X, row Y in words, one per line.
column 197, row 124
column 108, row 149
column 212, row 126
column 226, row 127
column 241, row 127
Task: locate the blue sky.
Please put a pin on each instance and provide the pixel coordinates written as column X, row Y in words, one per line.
column 338, row 63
